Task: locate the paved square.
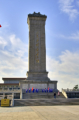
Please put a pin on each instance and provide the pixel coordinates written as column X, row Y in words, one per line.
column 40, row 113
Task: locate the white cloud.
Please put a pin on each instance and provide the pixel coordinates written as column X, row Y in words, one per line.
column 73, row 36
column 13, row 61
column 67, row 7
column 17, row 46
column 3, row 43
column 65, row 70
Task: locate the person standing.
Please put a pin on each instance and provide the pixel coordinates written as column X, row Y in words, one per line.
column 54, row 95
column 58, row 93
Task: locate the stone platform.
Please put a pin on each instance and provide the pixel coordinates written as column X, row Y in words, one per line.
column 40, row 113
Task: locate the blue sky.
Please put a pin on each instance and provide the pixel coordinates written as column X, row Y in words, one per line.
column 62, row 39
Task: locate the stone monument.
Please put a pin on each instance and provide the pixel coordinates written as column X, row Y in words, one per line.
column 37, row 76
column 37, row 49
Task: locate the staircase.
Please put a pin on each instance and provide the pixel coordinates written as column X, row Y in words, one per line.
column 41, row 95
column 40, row 98
column 46, row 102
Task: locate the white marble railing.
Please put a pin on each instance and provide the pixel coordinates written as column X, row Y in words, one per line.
column 1, row 97
column 70, row 90
column 8, row 97
column 12, row 90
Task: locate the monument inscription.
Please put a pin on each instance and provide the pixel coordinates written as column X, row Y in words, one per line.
column 37, row 48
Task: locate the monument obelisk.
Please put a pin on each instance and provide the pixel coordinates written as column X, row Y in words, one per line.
column 37, row 76
column 37, row 47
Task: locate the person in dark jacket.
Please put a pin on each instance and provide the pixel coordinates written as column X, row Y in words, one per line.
column 54, row 95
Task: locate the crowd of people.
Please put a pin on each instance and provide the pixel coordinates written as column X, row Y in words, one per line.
column 43, row 90
column 37, row 90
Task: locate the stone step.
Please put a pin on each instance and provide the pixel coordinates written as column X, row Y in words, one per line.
column 41, row 95
column 46, row 102
column 33, row 97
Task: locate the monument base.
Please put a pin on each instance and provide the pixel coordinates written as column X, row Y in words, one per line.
column 38, row 84
column 41, row 76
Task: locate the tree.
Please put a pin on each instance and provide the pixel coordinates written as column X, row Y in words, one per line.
column 76, row 87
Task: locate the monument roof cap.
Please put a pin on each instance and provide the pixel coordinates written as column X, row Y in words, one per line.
column 36, row 15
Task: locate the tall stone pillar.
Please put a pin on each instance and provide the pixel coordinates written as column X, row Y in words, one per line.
column 37, row 47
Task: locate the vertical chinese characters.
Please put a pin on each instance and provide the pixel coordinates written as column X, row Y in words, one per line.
column 37, row 48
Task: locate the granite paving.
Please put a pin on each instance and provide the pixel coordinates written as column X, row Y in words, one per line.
column 40, row 113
